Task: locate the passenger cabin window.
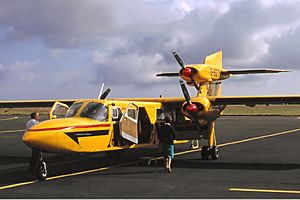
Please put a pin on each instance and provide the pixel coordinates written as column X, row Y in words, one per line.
column 95, row 111
column 132, row 113
column 160, row 115
column 73, row 109
column 116, row 113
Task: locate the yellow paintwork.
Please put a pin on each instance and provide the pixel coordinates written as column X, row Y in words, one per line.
column 205, row 73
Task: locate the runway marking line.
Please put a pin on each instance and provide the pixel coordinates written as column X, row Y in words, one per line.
column 12, row 131
column 157, row 158
column 17, row 185
column 78, row 173
column 66, row 175
column 259, row 137
column 264, row 191
column 6, row 119
column 242, row 141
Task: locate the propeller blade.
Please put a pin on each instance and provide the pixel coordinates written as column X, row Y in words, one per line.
column 168, row 74
column 105, row 94
column 181, row 63
column 185, row 92
column 195, row 84
column 179, row 60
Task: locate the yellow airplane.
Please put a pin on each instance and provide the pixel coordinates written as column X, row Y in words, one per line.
column 97, row 125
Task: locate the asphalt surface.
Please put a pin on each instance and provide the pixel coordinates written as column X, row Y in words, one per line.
column 270, row 166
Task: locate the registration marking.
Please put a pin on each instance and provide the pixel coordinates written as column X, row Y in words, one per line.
column 264, row 191
column 157, row 158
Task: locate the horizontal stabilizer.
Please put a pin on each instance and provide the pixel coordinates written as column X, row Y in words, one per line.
column 168, row 74
column 252, row 71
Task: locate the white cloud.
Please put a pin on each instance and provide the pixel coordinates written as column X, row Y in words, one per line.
column 125, row 43
column 20, row 71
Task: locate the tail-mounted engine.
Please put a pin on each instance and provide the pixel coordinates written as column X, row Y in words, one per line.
column 188, row 74
column 196, row 73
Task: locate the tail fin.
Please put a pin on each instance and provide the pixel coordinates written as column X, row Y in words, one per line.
column 213, row 88
column 214, row 59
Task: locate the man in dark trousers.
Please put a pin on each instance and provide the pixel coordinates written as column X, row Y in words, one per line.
column 166, row 135
column 36, row 154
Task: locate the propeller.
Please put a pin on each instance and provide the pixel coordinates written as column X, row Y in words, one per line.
column 105, row 93
column 191, row 107
column 186, row 70
column 185, row 92
column 194, row 108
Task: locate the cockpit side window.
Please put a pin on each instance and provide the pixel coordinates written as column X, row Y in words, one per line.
column 73, row 109
column 95, row 111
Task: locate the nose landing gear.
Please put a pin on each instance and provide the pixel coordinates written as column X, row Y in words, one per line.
column 41, row 172
column 37, row 166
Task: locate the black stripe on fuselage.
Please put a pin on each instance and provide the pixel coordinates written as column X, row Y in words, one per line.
column 75, row 135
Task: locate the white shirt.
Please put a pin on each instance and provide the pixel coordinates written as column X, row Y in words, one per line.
column 30, row 123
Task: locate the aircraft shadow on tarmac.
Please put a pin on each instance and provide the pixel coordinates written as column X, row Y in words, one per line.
column 202, row 164
column 6, row 160
column 15, row 169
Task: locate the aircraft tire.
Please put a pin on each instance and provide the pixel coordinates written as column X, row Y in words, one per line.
column 41, row 171
column 204, row 153
column 214, row 152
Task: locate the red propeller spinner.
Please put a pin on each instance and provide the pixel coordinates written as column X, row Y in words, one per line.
column 187, row 72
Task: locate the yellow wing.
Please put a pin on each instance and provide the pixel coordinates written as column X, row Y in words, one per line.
column 255, row 100
column 33, row 103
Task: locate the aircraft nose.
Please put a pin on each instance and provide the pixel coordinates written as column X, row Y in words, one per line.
column 44, row 140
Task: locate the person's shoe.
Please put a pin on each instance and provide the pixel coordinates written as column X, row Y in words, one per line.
column 169, row 170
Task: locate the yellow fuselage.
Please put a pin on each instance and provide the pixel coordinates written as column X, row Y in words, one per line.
column 81, row 134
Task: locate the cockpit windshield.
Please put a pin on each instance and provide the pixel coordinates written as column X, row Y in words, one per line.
column 95, row 111
column 73, row 109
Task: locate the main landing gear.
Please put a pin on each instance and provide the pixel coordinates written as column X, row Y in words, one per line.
column 37, row 166
column 209, row 152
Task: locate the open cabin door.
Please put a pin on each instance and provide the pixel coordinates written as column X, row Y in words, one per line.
column 129, row 123
column 58, row 110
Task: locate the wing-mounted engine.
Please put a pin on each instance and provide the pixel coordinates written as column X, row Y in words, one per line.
column 199, row 109
column 195, row 108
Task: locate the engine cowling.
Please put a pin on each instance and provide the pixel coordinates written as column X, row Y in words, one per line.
column 187, row 73
column 200, row 109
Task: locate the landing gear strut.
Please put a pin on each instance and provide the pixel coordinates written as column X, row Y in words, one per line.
column 212, row 152
column 37, row 166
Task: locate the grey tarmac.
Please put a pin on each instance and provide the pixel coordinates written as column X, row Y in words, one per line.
column 269, row 166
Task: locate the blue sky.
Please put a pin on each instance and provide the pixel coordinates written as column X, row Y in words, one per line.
column 67, row 48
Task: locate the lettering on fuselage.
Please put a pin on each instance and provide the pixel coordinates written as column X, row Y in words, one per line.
column 75, row 135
